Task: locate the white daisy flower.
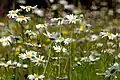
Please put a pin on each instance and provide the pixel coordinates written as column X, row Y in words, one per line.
column 8, row 63
column 35, row 77
column 69, row 6
column 38, row 60
column 63, row 2
column 68, row 40
column 28, row 8
column 22, row 19
column 52, row 35
column 25, row 66
column 31, row 34
column 13, row 13
column 39, row 12
column 40, row 26
column 93, row 38
column 57, row 48
column 6, row 41
column 72, row 18
column 28, row 55
column 109, row 35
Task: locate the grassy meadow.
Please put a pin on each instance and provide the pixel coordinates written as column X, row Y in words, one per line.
column 65, row 47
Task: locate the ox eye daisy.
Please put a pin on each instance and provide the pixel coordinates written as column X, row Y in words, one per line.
column 72, row 18
column 28, row 55
column 22, row 19
column 109, row 35
column 13, row 13
column 38, row 60
column 28, row 8
column 6, row 41
column 35, row 77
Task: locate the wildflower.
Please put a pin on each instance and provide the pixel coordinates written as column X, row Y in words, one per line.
column 39, row 12
column 63, row 2
column 93, row 38
column 111, row 51
column 35, row 77
column 18, row 65
column 82, row 28
column 59, row 40
column 38, row 60
column 7, row 63
column 25, row 66
column 40, row 26
column 28, row 8
column 13, row 13
column 31, row 34
column 109, row 35
column 58, row 21
column 99, row 44
column 112, row 70
column 54, row 7
column 68, row 40
column 22, row 19
column 52, row 36
column 28, row 55
column 69, row 7
column 72, row 18
column 57, row 48
column 6, row 41
column 21, row 1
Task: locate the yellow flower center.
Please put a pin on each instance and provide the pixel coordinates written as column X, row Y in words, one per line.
column 27, row 55
column 36, row 75
column 40, row 60
column 108, row 50
column 14, row 12
column 21, row 16
column 108, row 34
column 28, row 6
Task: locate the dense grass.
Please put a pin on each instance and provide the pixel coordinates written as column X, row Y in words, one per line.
column 89, row 55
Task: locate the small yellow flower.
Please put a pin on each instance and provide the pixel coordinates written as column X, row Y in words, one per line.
column 82, row 28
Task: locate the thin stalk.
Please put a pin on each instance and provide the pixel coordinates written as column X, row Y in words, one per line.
column 49, row 54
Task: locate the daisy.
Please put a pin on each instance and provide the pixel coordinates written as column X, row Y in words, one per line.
column 72, row 18
column 31, row 34
column 40, row 26
column 109, row 35
column 35, row 77
column 51, row 35
column 28, row 55
column 57, row 48
column 28, row 8
column 6, row 41
column 13, row 13
column 38, row 60
column 8, row 63
column 22, row 19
